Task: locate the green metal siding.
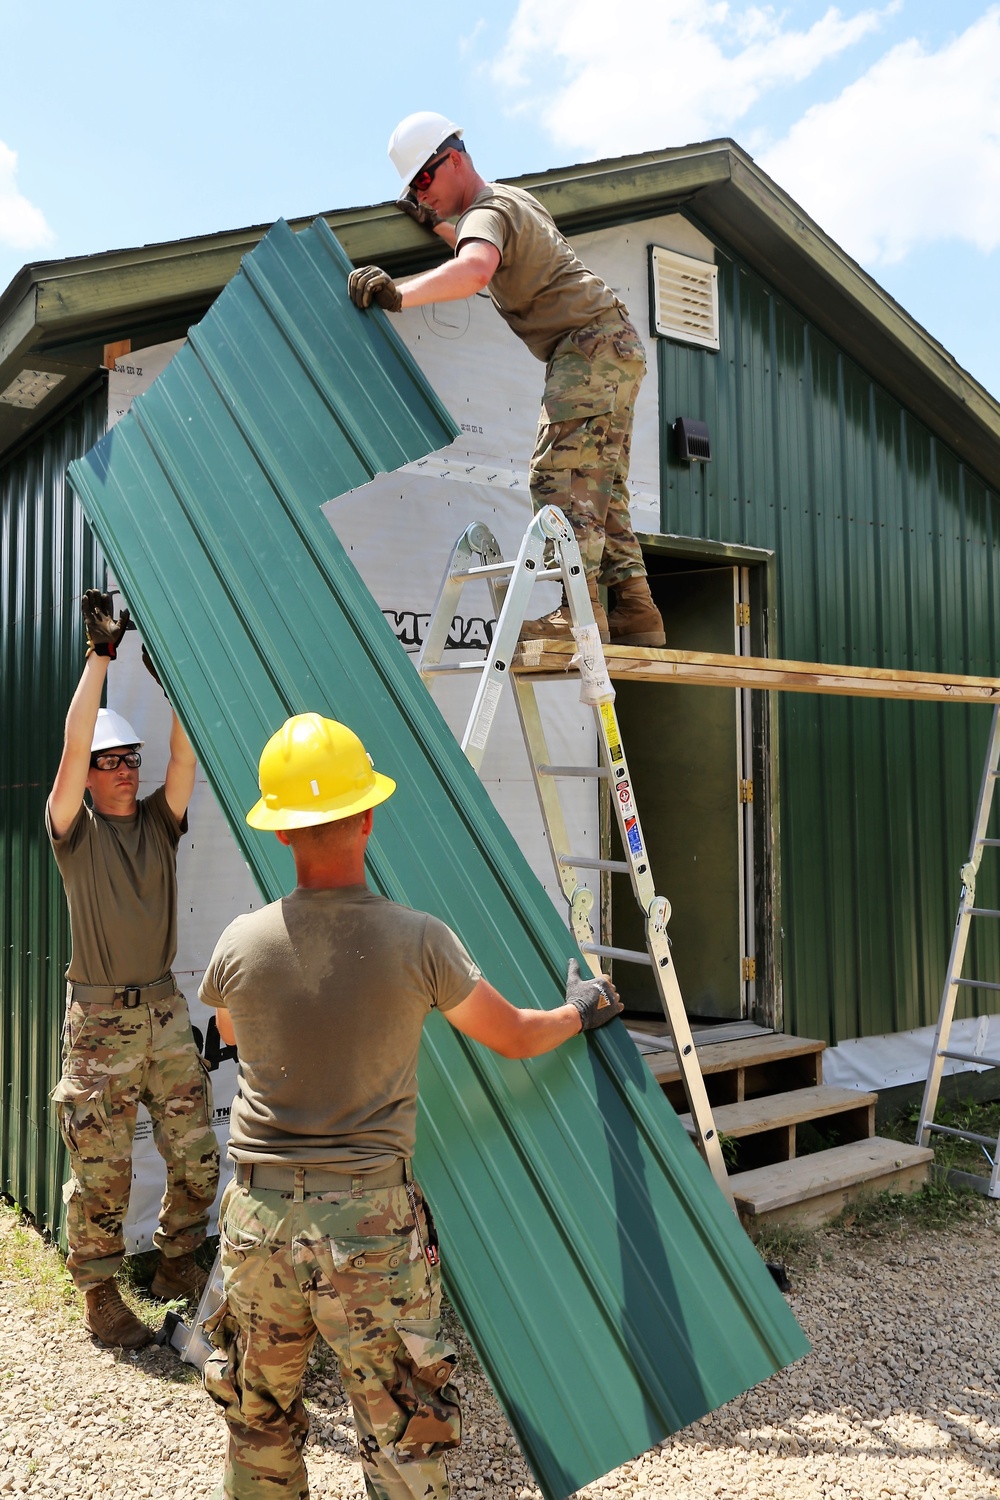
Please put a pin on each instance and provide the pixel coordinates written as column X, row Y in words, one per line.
column 886, row 551
column 608, row 1289
column 48, row 555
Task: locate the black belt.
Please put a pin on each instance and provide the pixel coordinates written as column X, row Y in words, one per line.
column 318, row 1179
column 125, row 996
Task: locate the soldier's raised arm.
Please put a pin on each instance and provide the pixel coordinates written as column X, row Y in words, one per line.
column 104, row 634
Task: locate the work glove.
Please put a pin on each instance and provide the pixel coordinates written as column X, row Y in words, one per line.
column 104, row 632
column 420, row 213
column 147, row 662
column 369, row 284
column 596, row 999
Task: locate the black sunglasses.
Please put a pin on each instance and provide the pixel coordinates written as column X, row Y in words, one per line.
column 425, row 176
column 102, row 762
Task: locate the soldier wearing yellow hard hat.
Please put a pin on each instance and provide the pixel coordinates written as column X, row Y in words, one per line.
column 325, row 993
column 313, row 771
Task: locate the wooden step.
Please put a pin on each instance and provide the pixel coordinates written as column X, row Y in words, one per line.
column 813, row 1189
column 724, row 1057
column 785, row 1111
column 734, row 1071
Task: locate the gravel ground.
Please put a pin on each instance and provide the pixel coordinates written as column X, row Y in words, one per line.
column 900, row 1397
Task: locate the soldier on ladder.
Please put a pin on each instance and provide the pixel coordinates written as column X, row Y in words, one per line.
column 507, row 242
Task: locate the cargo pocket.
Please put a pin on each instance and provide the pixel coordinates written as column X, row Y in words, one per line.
column 75, row 1023
column 82, row 1109
column 580, row 380
column 434, row 1415
column 205, row 1078
column 370, row 1252
column 629, row 346
column 221, row 1372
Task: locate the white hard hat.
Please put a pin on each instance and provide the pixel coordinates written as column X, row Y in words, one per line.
column 415, row 140
column 112, row 730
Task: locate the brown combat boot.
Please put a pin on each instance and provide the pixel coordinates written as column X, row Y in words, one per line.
column 110, row 1321
column 635, row 619
column 558, row 626
column 178, row 1276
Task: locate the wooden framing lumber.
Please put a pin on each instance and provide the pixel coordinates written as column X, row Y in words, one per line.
column 712, row 669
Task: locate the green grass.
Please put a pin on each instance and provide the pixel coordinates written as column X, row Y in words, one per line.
column 979, row 1115
column 937, row 1205
column 35, row 1268
column 730, row 1148
column 791, row 1244
column 940, row 1204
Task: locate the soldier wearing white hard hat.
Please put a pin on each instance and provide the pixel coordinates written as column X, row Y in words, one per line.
column 127, row 1037
column 506, row 242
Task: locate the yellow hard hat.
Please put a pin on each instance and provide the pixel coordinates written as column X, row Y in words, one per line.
column 315, row 770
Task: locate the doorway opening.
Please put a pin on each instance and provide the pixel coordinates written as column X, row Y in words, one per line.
column 704, row 773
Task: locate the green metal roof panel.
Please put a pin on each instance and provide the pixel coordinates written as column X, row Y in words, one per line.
column 606, row 1286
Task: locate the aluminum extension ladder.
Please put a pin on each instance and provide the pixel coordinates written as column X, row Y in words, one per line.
column 967, row 909
column 477, row 557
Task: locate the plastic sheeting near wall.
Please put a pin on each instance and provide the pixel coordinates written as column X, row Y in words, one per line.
column 608, row 1289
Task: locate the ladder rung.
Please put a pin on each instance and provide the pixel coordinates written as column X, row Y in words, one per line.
column 580, row 771
column 972, row 1057
column 978, row 984
column 989, row 843
column 585, row 862
column 966, row 1135
column 629, row 955
column 549, row 575
column 982, row 911
column 455, row 666
column 485, row 570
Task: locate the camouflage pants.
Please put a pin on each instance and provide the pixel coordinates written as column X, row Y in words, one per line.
column 112, row 1059
column 353, row 1269
column 582, row 449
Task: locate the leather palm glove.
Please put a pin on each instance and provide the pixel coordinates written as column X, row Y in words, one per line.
column 147, row 662
column 104, row 632
column 596, row 999
column 370, row 284
column 421, row 213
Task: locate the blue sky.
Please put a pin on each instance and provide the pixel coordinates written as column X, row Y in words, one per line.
column 125, row 125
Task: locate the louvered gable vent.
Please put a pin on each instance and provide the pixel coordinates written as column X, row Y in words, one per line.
column 685, row 298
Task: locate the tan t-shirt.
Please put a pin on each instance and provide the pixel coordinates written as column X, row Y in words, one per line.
column 120, row 876
column 539, row 288
column 328, row 992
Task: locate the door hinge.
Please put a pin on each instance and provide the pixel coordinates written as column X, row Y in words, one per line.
column 746, row 790
column 742, row 614
column 749, row 970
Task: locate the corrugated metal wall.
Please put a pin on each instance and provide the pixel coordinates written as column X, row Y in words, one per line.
column 48, row 554
column 886, row 551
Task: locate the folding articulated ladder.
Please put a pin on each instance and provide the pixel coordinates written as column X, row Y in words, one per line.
column 477, row 557
column 967, row 909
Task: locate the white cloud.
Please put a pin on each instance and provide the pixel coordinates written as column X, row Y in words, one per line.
column 22, row 225
column 467, row 44
column 664, row 72
column 907, row 154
